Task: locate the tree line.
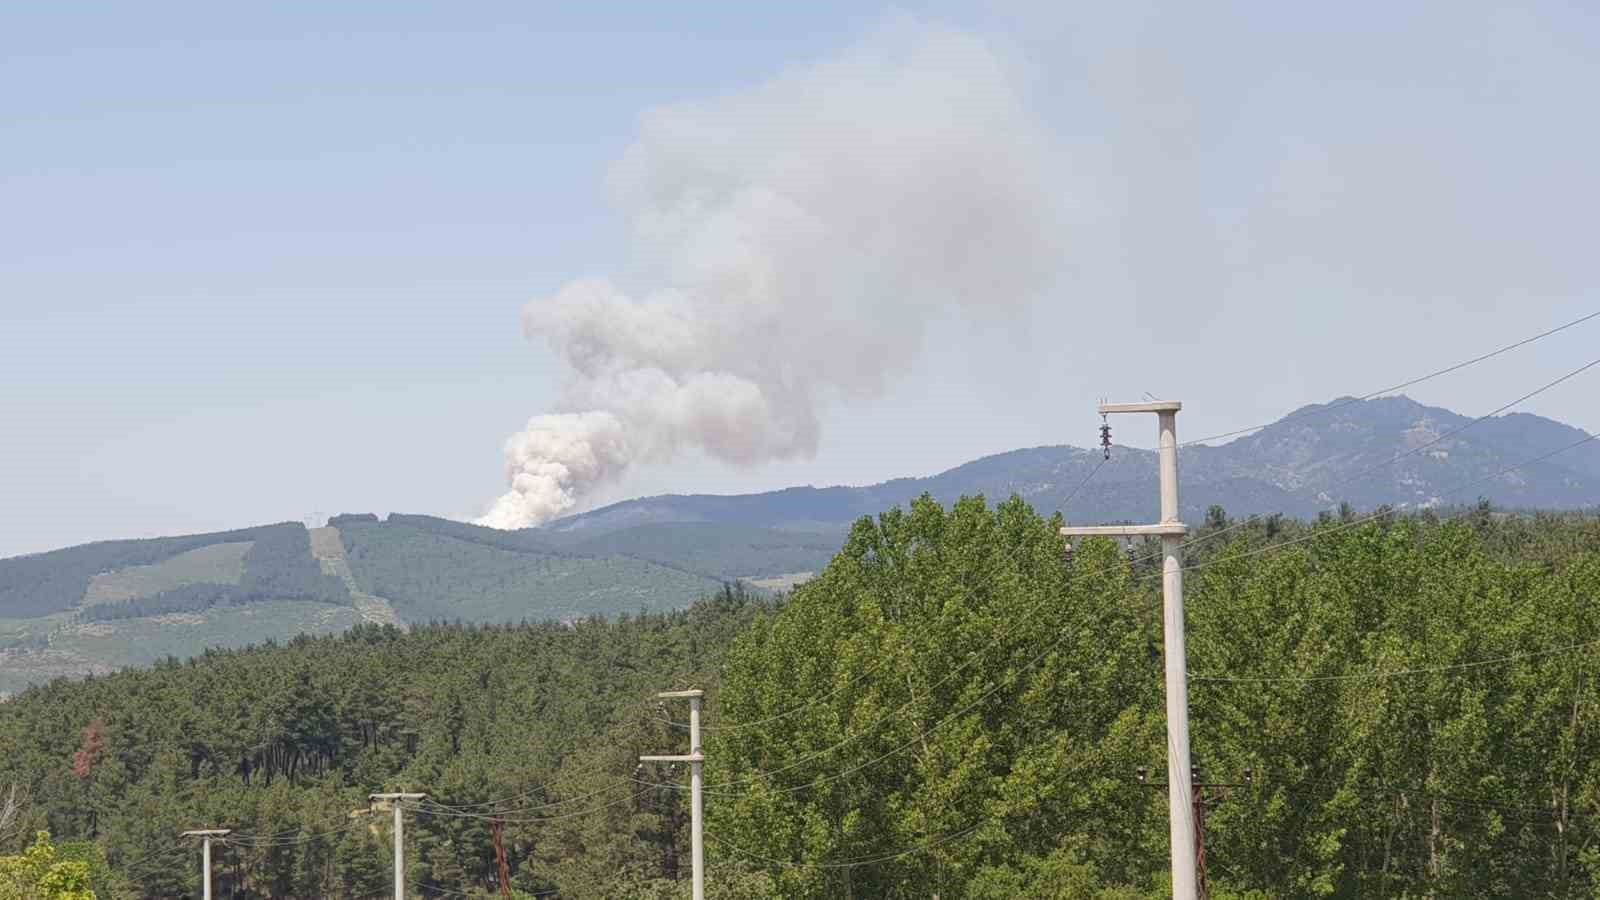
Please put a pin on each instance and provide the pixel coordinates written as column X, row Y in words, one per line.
column 1381, row 705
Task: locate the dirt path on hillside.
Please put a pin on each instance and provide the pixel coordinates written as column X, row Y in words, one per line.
column 328, row 547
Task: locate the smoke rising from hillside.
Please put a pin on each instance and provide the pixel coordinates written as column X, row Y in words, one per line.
column 792, row 239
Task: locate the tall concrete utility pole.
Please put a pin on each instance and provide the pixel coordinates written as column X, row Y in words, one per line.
column 205, row 835
column 399, row 801
column 695, row 759
column 1184, row 883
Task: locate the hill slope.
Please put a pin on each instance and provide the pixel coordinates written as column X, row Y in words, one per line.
column 1306, row 462
column 99, row 606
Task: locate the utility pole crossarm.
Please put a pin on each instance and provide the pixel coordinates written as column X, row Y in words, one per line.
column 205, row 835
column 1185, row 885
column 1159, row 406
column 399, row 799
column 696, row 759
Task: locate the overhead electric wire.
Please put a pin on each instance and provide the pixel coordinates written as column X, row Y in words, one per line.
column 498, row 807
column 1273, row 548
column 1011, row 555
column 257, row 837
column 1401, row 673
column 316, row 823
column 977, row 654
column 1455, row 431
column 1321, row 532
column 817, row 699
column 719, row 789
column 849, row 863
column 1082, row 484
column 175, row 849
column 972, row 658
column 993, row 688
column 280, row 839
column 492, row 813
column 863, row 859
column 1423, row 793
column 537, row 820
column 1401, row 386
column 1510, row 813
column 267, row 841
column 891, row 855
column 1408, row 452
column 447, row 892
column 302, row 837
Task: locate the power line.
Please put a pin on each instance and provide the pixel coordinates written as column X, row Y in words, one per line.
column 722, row 788
column 1403, row 385
column 850, row 863
column 993, row 689
column 302, row 837
column 1422, row 793
column 972, row 658
column 1010, row 556
column 469, row 810
column 1321, row 532
column 1455, row 431
column 442, row 809
column 538, row 820
column 1090, row 477
column 1401, row 673
column 315, row 823
column 1406, row 453
column 815, row 700
column 975, row 656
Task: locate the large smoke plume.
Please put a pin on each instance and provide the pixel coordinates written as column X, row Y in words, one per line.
column 793, row 239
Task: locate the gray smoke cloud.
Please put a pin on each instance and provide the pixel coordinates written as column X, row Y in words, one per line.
column 792, row 238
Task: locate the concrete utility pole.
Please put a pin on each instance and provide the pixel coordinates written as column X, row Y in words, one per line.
column 398, row 800
column 205, row 835
column 695, row 759
column 1184, row 863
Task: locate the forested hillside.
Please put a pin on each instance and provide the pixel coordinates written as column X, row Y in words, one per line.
column 1387, row 706
column 95, row 608
column 432, row 569
column 1384, row 450
column 277, row 565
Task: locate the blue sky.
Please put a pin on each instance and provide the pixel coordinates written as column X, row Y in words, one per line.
column 260, row 263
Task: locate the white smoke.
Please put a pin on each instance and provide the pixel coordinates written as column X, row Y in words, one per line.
column 798, row 235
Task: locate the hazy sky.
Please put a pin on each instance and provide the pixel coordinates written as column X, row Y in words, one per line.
column 260, row 263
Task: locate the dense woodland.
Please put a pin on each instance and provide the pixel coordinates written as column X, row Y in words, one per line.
column 1385, row 705
column 432, row 569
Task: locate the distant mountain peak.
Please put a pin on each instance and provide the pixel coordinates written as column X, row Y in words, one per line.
column 1317, row 455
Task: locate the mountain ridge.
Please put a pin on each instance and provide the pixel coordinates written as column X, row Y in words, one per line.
column 100, row 605
column 1289, row 466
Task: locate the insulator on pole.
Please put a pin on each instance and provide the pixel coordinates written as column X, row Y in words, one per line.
column 1105, row 436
